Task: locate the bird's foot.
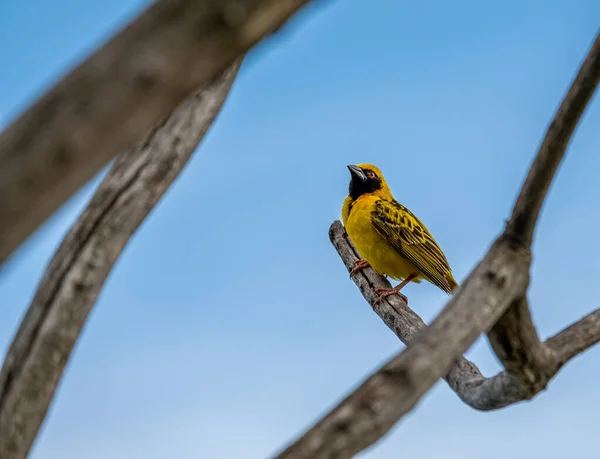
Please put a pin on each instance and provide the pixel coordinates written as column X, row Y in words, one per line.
column 385, row 292
column 359, row 265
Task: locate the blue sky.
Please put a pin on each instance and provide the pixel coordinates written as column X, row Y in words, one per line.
column 229, row 324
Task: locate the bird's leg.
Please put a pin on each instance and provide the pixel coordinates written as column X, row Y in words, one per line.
column 395, row 290
column 359, row 265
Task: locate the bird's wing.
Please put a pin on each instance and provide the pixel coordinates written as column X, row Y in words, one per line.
column 409, row 236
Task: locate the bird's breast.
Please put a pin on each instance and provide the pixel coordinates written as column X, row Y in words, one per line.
column 373, row 247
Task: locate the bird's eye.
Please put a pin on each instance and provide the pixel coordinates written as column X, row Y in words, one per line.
column 371, row 174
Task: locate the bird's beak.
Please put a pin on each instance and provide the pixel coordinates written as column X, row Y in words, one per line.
column 357, row 173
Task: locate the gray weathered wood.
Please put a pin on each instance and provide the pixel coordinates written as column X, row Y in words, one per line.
column 515, row 341
column 514, row 337
column 551, row 151
column 498, row 281
column 116, row 96
column 73, row 279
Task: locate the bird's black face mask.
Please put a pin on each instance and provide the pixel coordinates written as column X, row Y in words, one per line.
column 362, row 181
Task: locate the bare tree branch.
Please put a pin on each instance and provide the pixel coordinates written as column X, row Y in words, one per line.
column 576, row 338
column 517, row 345
column 514, row 338
column 73, row 279
column 550, row 154
column 464, row 377
column 116, row 96
column 497, row 282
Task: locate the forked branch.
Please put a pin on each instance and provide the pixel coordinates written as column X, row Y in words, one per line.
column 464, row 377
column 499, row 281
column 514, row 337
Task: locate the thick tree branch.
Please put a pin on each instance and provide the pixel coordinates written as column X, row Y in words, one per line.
column 497, row 282
column 76, row 274
column 514, row 338
column 464, row 377
column 116, row 96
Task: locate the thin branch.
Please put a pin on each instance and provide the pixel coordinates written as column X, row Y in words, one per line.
column 116, row 97
column 550, row 154
column 76, row 274
column 497, row 282
column 464, row 378
column 576, row 338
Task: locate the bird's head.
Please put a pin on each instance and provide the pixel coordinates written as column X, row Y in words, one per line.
column 367, row 179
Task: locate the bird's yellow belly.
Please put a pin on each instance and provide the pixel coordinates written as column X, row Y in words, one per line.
column 382, row 257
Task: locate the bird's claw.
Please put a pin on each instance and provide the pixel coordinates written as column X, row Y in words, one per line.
column 385, row 292
column 359, row 265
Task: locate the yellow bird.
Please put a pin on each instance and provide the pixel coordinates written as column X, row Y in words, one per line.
column 389, row 237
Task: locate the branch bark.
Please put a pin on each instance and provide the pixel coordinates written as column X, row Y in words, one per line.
column 514, row 338
column 551, row 152
column 116, row 96
column 497, row 282
column 515, row 341
column 73, row 279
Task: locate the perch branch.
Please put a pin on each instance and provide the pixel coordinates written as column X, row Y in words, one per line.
column 116, row 97
column 73, row 279
column 497, row 282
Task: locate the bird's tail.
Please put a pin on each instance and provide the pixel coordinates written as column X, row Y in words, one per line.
column 451, row 283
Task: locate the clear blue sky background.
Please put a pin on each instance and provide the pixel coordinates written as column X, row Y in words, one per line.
column 229, row 325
